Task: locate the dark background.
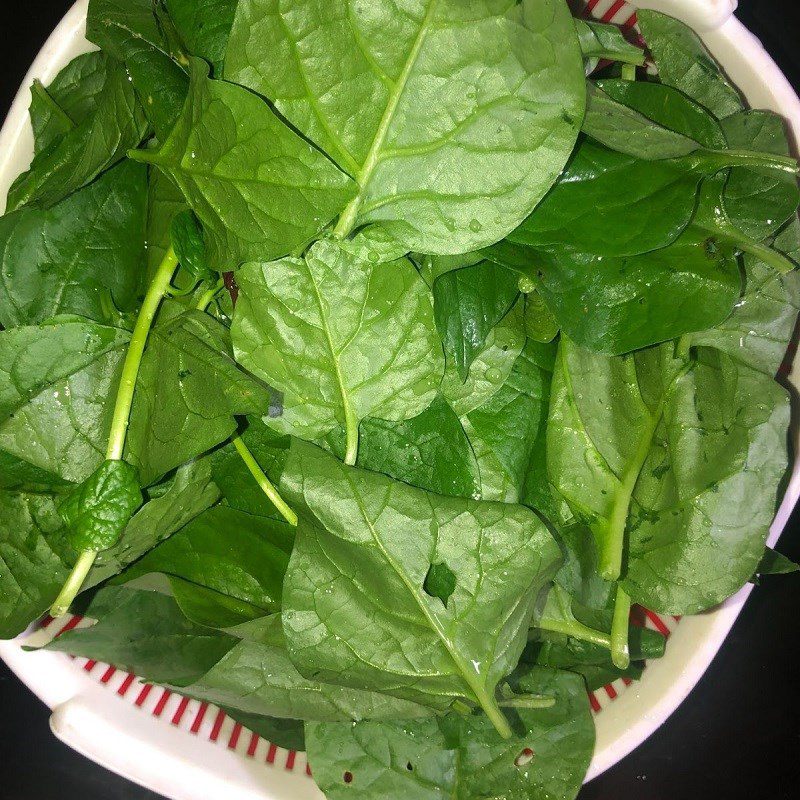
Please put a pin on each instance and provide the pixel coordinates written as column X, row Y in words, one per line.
column 738, row 734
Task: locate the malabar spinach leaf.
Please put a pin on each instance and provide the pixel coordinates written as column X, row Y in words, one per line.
column 92, row 146
column 204, row 27
column 463, row 757
column 342, row 337
column 683, row 62
column 354, row 537
column 467, row 304
column 97, row 512
column 84, row 256
column 446, row 175
column 134, row 32
column 259, row 189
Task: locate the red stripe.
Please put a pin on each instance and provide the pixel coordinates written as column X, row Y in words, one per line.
column 590, row 6
column 90, row 665
column 613, row 11
column 593, row 703
column 610, row 691
column 217, row 726
column 251, row 749
column 108, row 675
column 290, row 759
column 308, row 770
column 235, row 734
column 271, row 754
column 198, row 717
column 658, row 622
column 125, row 685
column 677, row 619
column 180, row 711
column 75, row 621
column 627, row 681
column 631, row 22
column 46, row 620
column 162, row 701
column 146, row 689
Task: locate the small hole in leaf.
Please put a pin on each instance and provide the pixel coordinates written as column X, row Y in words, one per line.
column 348, row 777
column 410, row 767
column 440, row 582
column 524, row 758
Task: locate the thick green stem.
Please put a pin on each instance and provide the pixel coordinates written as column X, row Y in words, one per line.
column 771, row 257
column 629, row 72
column 528, row 701
column 620, row 652
column 263, row 481
column 351, row 429
column 73, row 584
column 683, row 346
column 722, row 159
column 133, row 360
column 576, row 630
column 122, row 411
column 208, row 296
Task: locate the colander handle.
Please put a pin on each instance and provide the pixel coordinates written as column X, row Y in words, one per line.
column 702, row 15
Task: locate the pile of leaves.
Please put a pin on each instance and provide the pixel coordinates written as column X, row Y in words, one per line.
column 362, row 364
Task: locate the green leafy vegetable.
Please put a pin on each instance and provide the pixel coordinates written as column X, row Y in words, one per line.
column 240, row 190
column 204, row 27
column 445, row 177
column 342, row 337
column 607, row 43
column 353, row 537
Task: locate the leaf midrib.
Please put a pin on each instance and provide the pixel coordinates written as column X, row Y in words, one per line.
column 349, row 215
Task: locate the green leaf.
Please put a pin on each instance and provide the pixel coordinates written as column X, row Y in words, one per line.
column 467, row 304
column 507, row 429
column 252, row 674
column 187, row 241
column 36, row 557
column 684, row 62
column 188, row 392
column 607, row 43
column 446, row 175
column 676, row 462
column 285, row 733
column 342, row 337
column 68, row 100
column 31, row 570
column 759, row 202
column 204, row 27
column 490, row 368
column 440, row 582
column 55, row 390
column 430, row 451
column 619, row 304
column 145, row 632
column 96, row 143
column 58, row 261
column 231, row 553
column 240, row 168
column 98, row 511
column 462, row 756
column 18, row 474
column 133, row 32
column 627, row 131
column 774, row 563
column 354, row 537
column 610, row 203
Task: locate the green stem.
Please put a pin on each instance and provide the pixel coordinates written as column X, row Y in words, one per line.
column 771, row 257
column 208, row 296
column 722, row 159
column 122, row 411
column 73, row 583
column 133, row 360
column 576, row 630
column 351, row 428
column 528, row 701
column 629, row 72
column 497, row 718
column 263, row 481
column 683, row 346
column 620, row 652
